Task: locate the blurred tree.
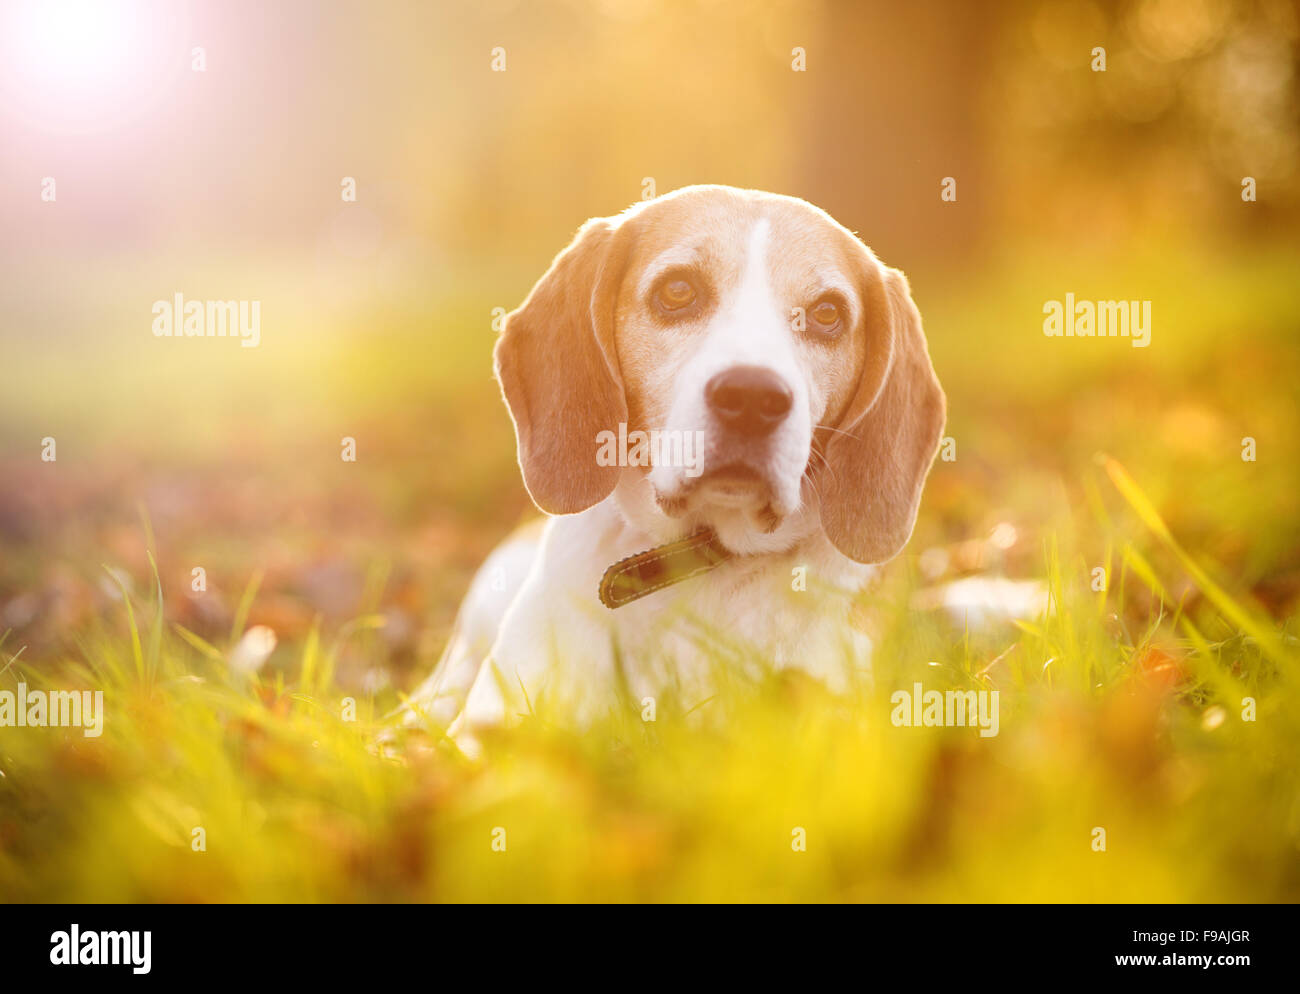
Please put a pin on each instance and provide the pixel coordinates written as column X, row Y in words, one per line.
column 894, row 107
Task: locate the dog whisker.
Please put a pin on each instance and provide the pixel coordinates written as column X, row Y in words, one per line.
column 838, row 431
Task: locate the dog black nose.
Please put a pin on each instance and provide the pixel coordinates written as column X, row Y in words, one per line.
column 750, row 399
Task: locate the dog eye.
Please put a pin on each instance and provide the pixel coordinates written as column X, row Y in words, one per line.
column 825, row 315
column 674, row 294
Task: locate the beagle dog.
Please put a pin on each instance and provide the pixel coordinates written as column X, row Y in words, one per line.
column 725, row 405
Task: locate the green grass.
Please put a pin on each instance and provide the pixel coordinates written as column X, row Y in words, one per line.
column 1120, row 709
column 298, row 804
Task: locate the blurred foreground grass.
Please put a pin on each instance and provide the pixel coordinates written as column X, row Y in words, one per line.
column 1121, row 709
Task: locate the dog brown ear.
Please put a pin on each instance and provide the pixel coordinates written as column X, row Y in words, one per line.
column 558, row 370
column 889, row 433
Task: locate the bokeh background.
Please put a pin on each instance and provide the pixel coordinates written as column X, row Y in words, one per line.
column 377, row 324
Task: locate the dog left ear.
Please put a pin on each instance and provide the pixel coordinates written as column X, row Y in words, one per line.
column 558, row 370
column 888, row 436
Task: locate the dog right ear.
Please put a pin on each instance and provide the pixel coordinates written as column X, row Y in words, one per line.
column 558, row 369
column 878, row 461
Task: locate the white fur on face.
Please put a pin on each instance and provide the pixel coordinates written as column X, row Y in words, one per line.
column 756, row 258
column 750, row 326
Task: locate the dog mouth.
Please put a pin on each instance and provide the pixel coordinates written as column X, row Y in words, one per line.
column 732, row 485
column 733, row 482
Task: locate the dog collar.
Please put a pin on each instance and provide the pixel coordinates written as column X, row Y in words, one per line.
column 636, row 576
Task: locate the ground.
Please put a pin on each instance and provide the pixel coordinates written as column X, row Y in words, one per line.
column 1163, row 709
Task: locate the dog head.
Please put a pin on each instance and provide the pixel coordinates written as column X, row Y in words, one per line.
column 772, row 371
